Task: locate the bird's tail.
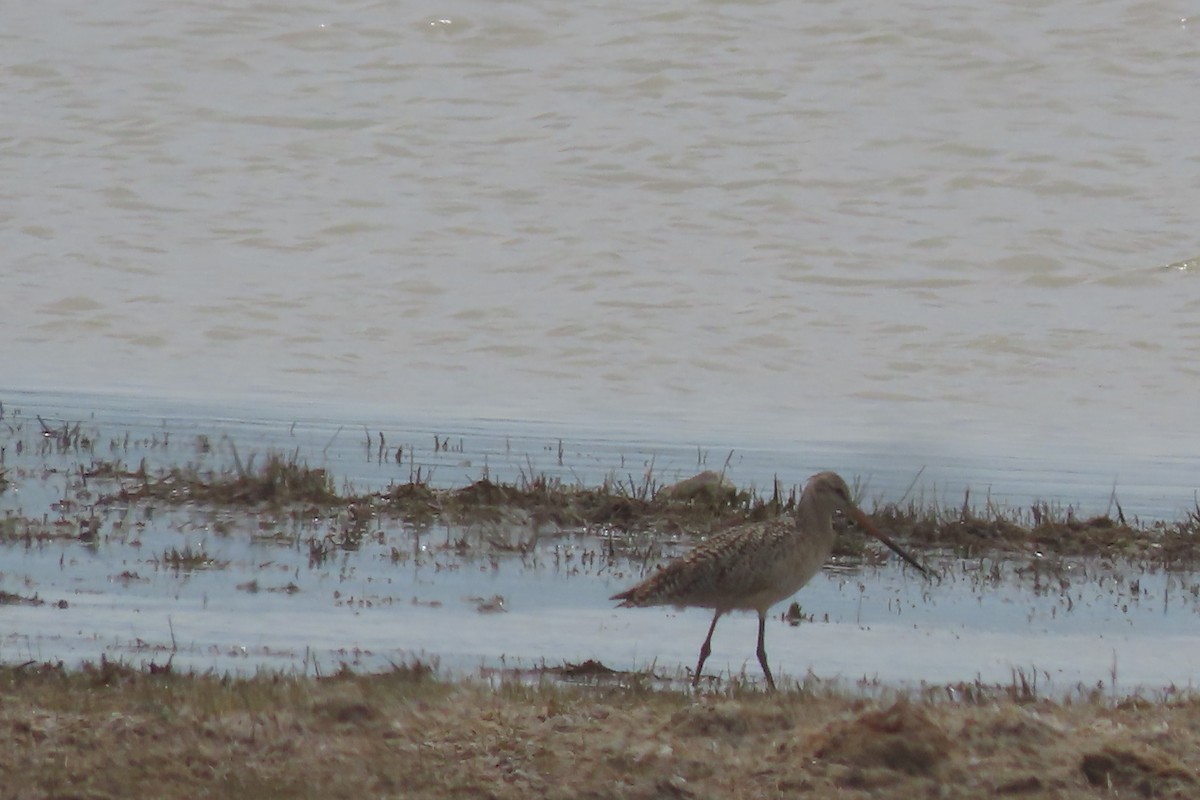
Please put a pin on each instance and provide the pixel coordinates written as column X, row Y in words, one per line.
column 628, row 598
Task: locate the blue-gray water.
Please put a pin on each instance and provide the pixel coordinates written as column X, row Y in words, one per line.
column 951, row 245
column 260, row 600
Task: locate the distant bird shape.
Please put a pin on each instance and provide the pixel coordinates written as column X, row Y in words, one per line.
column 754, row 567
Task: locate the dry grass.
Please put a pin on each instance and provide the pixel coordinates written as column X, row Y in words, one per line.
column 109, row 731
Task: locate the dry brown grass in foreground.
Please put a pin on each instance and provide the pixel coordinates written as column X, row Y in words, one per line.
column 113, row 732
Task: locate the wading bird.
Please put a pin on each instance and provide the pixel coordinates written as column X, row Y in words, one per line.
column 754, row 567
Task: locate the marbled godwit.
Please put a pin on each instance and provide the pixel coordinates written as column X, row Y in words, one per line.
column 754, row 567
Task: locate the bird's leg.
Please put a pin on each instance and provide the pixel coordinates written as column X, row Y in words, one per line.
column 761, row 652
column 705, row 649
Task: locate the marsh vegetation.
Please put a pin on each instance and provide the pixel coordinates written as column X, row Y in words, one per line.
column 169, row 512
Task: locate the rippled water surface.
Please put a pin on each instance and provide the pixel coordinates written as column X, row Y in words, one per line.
column 972, row 224
column 941, row 247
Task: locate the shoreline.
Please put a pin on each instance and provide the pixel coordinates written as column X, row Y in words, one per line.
column 1087, row 480
column 200, row 521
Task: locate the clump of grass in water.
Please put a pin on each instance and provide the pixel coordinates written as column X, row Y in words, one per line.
column 281, row 480
column 796, row 615
column 1181, row 541
column 626, row 502
column 1042, row 528
column 186, row 559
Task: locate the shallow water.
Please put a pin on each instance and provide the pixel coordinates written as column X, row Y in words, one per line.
column 261, row 601
column 264, row 605
column 164, row 432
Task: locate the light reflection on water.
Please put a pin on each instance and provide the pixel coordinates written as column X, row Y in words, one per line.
column 1154, row 488
column 413, row 594
column 361, row 608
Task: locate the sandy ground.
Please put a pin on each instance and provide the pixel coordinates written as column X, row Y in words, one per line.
column 112, row 732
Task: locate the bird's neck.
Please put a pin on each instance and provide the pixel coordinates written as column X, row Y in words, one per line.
column 811, row 517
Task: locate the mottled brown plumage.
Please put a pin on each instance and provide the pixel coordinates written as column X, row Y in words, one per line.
column 754, row 567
